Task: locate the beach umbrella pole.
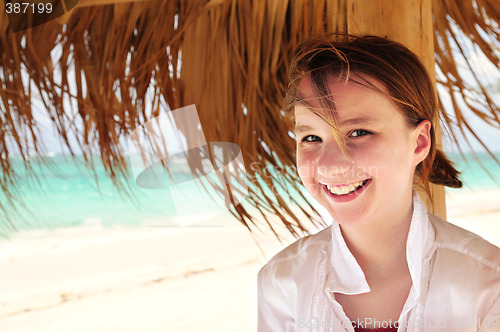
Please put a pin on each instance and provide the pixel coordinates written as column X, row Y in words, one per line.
column 410, row 23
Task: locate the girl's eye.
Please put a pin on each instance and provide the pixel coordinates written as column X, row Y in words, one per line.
column 311, row 138
column 359, row 133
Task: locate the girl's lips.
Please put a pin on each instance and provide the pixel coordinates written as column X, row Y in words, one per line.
column 350, row 196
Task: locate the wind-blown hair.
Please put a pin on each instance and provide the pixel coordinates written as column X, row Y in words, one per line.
column 394, row 65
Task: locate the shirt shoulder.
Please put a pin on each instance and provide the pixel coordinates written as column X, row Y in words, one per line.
column 286, row 282
column 303, row 253
column 470, row 247
column 465, row 274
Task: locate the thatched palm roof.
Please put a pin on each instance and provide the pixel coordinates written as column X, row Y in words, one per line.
column 234, row 69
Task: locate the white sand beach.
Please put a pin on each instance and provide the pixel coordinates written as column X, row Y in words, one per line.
column 156, row 278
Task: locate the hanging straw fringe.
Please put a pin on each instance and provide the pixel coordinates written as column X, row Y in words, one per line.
column 462, row 28
column 118, row 65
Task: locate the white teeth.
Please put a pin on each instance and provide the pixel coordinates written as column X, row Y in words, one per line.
column 343, row 190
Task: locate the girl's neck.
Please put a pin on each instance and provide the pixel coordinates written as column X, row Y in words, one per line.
column 380, row 247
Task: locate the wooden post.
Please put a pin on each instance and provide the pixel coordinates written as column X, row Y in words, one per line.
column 410, row 23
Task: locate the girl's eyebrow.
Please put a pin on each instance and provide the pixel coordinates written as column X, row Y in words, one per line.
column 358, row 121
column 302, row 128
column 348, row 122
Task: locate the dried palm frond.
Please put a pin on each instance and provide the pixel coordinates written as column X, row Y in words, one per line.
column 463, row 29
column 106, row 69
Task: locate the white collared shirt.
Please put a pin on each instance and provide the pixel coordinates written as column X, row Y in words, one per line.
column 455, row 281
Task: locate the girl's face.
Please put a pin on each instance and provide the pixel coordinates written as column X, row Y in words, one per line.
column 376, row 183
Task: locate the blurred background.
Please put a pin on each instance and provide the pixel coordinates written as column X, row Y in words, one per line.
column 84, row 248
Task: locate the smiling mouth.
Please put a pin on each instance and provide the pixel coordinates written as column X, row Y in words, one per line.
column 346, row 189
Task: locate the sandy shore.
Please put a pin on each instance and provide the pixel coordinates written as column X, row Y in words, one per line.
column 199, row 278
column 477, row 211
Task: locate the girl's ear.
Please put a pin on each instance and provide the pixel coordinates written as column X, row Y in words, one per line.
column 422, row 136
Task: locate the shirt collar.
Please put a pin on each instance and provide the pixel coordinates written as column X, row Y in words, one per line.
column 346, row 276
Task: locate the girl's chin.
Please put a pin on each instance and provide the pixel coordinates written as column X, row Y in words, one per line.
column 349, row 218
column 349, row 214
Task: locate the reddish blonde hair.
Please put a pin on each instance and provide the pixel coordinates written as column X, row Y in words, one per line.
column 390, row 62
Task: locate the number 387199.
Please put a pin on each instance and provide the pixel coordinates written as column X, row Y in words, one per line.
column 28, row 7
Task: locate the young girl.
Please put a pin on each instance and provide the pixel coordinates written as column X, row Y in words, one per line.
column 362, row 109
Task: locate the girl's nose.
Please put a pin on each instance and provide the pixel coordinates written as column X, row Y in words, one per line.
column 332, row 162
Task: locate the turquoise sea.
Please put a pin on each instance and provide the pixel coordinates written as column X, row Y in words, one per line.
column 67, row 196
column 478, row 170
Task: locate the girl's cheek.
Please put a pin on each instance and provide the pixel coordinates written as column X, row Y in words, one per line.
column 304, row 170
column 305, row 161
